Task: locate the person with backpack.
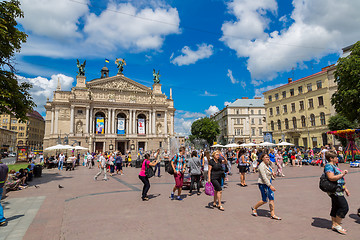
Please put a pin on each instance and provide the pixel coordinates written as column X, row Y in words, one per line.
column 178, row 164
column 142, row 175
column 339, row 205
column 118, row 163
column 195, row 171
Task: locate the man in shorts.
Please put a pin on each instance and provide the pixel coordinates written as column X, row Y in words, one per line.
column 178, row 163
column 3, row 177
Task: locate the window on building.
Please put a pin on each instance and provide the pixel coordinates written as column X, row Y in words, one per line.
column 303, row 121
column 158, row 114
column 5, row 127
column 270, row 111
column 20, row 142
column 253, row 133
column 272, row 125
column 293, row 107
column 238, row 121
column 237, row 112
column 285, row 108
column 241, row 131
column 253, row 121
column 277, row 110
column 292, row 92
column 13, row 128
column 311, row 103
column 294, row 122
column 259, row 112
column 322, row 118
column 321, row 101
column 286, row 123
column 319, row 84
column 21, row 134
column 260, row 121
column 300, row 89
column 284, row 94
column 4, row 120
column 312, row 120
column 21, row 128
column 260, row 131
column 309, row 87
column 301, row 105
column 14, row 121
column 276, row 96
column 79, row 111
column 279, row 124
column 270, row 98
column 252, row 112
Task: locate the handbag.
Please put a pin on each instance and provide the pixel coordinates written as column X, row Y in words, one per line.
column 209, row 189
column 326, row 185
column 169, row 169
column 149, row 171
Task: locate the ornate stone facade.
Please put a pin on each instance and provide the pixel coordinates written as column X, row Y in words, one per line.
column 110, row 113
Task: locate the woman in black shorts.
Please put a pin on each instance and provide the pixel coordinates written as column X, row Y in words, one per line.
column 242, row 166
column 215, row 174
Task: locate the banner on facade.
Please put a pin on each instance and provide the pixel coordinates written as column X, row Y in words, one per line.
column 100, row 125
column 121, row 126
column 141, row 126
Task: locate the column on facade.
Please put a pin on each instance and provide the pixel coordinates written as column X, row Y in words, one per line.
column 91, row 121
column 52, row 122
column 71, row 119
column 109, row 122
column 172, row 124
column 56, row 120
column 147, row 126
column 114, row 122
column 87, row 120
column 134, row 122
column 153, row 127
column 127, row 130
column 165, row 122
column 150, row 123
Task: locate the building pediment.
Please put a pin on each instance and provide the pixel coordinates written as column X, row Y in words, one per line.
column 117, row 83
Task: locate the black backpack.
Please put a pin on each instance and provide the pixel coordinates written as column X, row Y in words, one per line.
column 149, row 171
column 169, row 169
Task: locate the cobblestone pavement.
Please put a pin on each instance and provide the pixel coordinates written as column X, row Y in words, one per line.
column 88, row 209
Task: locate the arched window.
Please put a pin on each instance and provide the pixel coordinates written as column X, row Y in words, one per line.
column 303, row 121
column 99, row 123
column 272, row 125
column 322, row 118
column 312, row 119
column 294, row 122
column 20, row 142
column 286, row 123
column 121, row 123
column 279, row 124
column 141, row 120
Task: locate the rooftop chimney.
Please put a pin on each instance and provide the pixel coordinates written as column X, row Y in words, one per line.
column 289, row 80
column 257, row 97
column 244, row 98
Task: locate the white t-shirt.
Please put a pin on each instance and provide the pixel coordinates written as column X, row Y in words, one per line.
column 323, row 153
column 61, row 157
column 206, row 164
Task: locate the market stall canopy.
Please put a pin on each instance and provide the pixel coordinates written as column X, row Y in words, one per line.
column 80, row 148
column 248, row 145
column 232, row 145
column 285, row 144
column 266, row 144
column 56, row 147
column 217, row 146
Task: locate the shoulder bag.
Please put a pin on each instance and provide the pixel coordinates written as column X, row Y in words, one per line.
column 326, row 185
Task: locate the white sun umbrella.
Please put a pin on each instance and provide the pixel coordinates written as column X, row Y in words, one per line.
column 267, row 144
column 249, row 145
column 217, row 146
column 285, row 144
column 80, row 148
column 67, row 147
column 56, row 147
column 232, row 145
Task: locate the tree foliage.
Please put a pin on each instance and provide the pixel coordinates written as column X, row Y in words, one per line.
column 204, row 128
column 14, row 96
column 339, row 122
column 347, row 76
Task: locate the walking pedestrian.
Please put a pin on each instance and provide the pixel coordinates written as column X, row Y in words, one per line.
column 157, row 166
column 102, row 167
column 3, row 177
column 339, row 205
column 61, row 161
column 89, row 160
column 142, row 176
column 118, row 163
column 178, row 164
column 206, row 164
column 215, row 174
column 111, row 164
column 279, row 163
column 266, row 175
column 195, row 171
column 242, row 167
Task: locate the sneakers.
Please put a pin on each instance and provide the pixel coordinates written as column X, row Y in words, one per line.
column 95, row 178
column 172, row 196
column 179, row 198
column 4, row 223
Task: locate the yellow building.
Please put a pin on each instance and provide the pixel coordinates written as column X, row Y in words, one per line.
column 7, row 140
column 30, row 133
column 298, row 112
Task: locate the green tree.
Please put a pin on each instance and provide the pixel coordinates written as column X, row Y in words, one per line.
column 14, row 96
column 347, row 76
column 339, row 122
column 204, row 128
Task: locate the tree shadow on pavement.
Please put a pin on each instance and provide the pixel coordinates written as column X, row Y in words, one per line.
column 355, row 217
column 48, row 177
column 321, row 223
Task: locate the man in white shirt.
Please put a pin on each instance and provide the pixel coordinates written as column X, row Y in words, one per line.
column 61, row 161
column 102, row 162
column 89, row 160
column 322, row 154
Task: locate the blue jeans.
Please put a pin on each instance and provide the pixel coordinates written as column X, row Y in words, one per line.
column 157, row 166
column 2, row 218
column 61, row 163
column 266, row 192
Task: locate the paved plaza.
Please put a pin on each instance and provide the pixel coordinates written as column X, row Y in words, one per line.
column 88, row 209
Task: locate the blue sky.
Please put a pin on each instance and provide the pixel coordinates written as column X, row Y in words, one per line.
column 209, row 52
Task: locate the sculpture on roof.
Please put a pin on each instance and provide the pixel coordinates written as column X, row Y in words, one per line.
column 81, row 68
column 120, row 65
column 156, row 76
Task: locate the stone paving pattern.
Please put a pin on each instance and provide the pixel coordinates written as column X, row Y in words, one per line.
column 88, row 209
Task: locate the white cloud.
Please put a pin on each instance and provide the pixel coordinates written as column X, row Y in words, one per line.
column 207, row 94
column 211, row 110
column 232, row 79
column 259, row 91
column 43, row 88
column 183, row 126
column 189, row 56
column 243, row 84
column 227, row 103
column 317, row 29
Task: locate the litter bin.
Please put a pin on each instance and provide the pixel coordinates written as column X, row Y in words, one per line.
column 37, row 170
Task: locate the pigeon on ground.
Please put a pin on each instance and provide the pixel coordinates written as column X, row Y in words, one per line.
column 36, row 186
column 60, row 186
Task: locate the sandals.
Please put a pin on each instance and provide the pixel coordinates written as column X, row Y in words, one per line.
column 275, row 217
column 254, row 212
column 339, row 229
column 220, row 208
